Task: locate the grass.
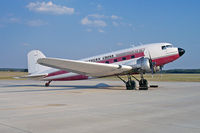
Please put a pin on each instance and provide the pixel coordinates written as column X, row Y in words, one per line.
column 167, row 77
column 11, row 75
column 156, row 77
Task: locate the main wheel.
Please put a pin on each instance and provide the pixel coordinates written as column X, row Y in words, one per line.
column 130, row 85
column 143, row 84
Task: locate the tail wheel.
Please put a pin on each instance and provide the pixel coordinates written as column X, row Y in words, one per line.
column 47, row 84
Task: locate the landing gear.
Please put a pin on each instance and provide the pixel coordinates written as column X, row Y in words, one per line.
column 131, row 85
column 47, row 84
column 143, row 83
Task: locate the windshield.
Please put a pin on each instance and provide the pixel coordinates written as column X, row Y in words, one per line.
column 166, row 46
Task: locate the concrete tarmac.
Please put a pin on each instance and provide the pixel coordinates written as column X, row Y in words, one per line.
column 98, row 106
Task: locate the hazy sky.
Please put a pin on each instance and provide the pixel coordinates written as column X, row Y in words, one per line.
column 77, row 29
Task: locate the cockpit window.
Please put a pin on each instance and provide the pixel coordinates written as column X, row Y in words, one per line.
column 163, row 47
column 167, row 46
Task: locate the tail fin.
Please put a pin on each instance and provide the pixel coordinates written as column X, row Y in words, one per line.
column 33, row 66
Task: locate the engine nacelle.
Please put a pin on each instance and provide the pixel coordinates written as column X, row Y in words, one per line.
column 144, row 64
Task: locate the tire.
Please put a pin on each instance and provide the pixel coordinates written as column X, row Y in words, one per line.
column 143, row 84
column 133, row 84
column 130, row 85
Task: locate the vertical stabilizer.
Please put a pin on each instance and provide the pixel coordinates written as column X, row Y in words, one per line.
column 33, row 66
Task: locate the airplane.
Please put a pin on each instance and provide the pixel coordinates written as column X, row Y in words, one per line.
column 149, row 58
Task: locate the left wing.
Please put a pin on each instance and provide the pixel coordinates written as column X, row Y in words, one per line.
column 85, row 68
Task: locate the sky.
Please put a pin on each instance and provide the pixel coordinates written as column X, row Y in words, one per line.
column 75, row 29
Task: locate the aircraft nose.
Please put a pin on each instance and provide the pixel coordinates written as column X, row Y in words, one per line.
column 181, row 51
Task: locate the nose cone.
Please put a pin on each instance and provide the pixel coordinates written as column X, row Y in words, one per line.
column 181, row 51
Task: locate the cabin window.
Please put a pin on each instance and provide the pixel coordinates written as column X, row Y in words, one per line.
column 123, row 58
column 115, row 60
column 107, row 62
column 133, row 56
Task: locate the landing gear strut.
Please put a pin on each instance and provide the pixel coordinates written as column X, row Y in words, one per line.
column 47, row 84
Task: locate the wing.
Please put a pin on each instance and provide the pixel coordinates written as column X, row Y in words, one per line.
column 85, row 68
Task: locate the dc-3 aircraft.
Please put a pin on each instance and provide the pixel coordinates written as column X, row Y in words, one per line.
column 136, row 60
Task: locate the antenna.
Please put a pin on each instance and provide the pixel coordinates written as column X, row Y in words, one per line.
column 132, row 44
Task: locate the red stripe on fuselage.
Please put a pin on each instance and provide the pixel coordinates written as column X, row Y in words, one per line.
column 164, row 60
column 128, row 57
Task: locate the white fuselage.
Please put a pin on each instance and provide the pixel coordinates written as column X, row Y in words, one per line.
column 159, row 53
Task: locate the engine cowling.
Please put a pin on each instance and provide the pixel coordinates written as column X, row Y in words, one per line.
column 144, row 64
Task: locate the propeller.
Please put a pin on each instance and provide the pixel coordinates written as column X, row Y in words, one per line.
column 152, row 64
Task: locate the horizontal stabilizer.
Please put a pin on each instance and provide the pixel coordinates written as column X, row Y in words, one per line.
column 33, row 76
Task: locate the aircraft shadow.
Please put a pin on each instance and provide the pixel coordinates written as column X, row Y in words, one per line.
column 62, row 87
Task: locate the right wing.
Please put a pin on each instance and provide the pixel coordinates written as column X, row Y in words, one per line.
column 85, row 68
